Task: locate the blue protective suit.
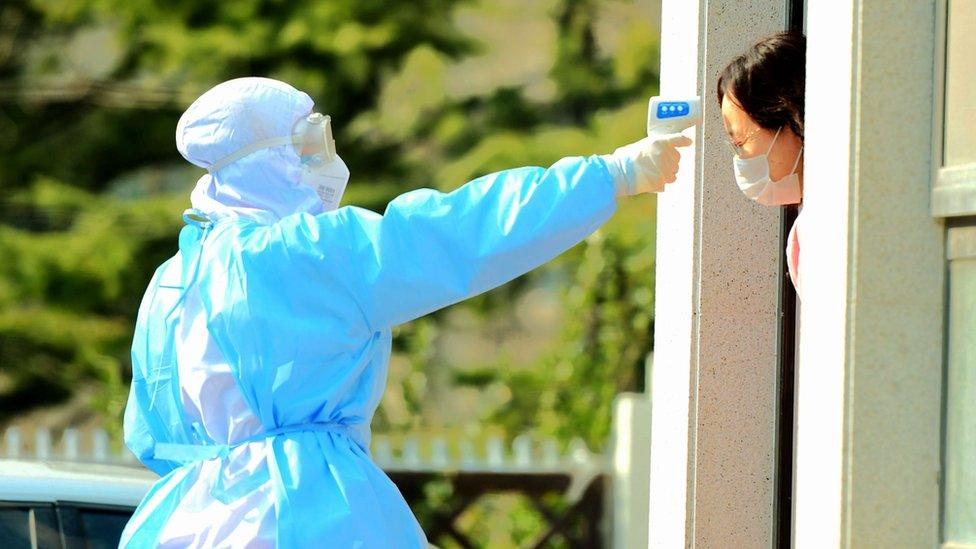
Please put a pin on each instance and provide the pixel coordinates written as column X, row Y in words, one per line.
column 261, row 348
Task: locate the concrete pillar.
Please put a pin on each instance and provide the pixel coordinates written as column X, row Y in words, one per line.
column 870, row 358
column 716, row 340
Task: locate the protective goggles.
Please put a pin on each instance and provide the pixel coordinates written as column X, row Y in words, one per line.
column 311, row 137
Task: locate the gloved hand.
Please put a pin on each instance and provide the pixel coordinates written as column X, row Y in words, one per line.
column 647, row 165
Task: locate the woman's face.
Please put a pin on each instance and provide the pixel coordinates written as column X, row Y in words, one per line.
column 753, row 141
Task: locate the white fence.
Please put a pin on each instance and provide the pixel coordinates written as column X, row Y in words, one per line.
column 418, row 453
column 74, row 445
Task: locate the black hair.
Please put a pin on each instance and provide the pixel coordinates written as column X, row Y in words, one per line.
column 768, row 81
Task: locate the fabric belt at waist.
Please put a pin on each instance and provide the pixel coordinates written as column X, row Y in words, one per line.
column 187, row 453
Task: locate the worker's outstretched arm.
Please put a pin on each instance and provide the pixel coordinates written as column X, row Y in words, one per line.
column 431, row 249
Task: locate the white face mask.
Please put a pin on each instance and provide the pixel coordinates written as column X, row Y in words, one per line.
column 322, row 169
column 328, row 178
column 752, row 175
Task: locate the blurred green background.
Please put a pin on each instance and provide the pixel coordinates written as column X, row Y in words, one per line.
column 429, row 93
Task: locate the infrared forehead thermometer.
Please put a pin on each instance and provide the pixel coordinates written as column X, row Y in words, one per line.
column 671, row 115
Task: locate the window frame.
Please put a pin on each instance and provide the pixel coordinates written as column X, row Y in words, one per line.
column 69, row 514
column 953, row 200
column 50, row 519
column 960, row 245
column 953, row 187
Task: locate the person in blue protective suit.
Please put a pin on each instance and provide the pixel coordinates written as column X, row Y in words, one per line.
column 261, row 348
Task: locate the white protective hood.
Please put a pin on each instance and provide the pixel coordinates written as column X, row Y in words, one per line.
column 233, row 116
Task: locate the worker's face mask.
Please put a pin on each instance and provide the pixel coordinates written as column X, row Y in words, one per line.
column 322, row 169
column 752, row 175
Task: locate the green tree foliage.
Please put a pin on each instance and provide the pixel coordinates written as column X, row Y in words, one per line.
column 68, row 296
column 607, row 282
column 90, row 95
column 92, row 186
column 97, row 85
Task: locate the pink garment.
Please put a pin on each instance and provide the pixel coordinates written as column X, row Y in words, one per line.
column 793, row 253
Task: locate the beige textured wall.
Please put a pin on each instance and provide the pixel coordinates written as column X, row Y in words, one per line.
column 871, row 338
column 718, row 259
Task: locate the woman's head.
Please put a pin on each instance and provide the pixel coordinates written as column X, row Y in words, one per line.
column 768, row 81
column 761, row 96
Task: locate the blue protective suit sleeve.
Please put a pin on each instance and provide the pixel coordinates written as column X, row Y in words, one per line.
column 141, row 425
column 432, row 249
